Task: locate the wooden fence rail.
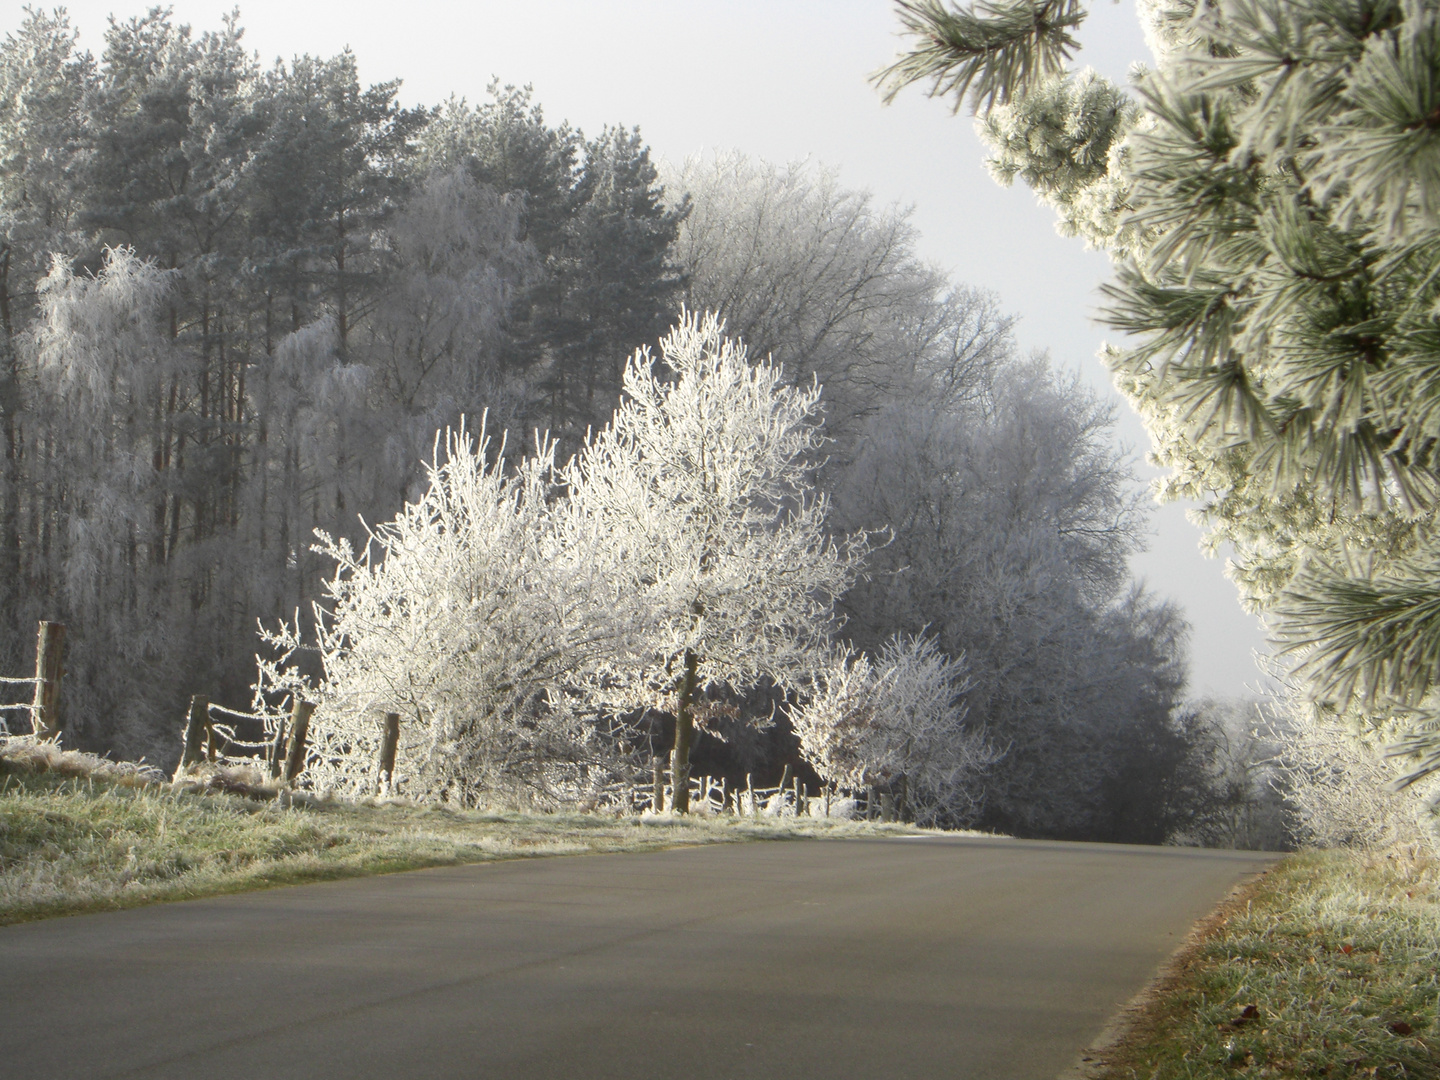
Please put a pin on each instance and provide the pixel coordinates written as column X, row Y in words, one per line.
column 282, row 757
column 45, row 715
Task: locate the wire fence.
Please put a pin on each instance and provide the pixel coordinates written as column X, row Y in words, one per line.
column 713, row 796
column 27, row 707
column 210, row 739
column 219, row 743
column 213, row 734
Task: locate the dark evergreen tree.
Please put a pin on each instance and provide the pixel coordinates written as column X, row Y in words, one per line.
column 44, row 81
column 614, row 284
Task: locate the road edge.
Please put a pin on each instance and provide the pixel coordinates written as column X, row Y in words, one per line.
column 1093, row 1062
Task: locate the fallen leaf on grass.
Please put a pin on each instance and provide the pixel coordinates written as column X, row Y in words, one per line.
column 1399, row 1027
column 1247, row 1014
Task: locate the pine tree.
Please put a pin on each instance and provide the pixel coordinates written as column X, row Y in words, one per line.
column 43, row 81
column 1269, row 193
column 613, row 274
column 595, row 213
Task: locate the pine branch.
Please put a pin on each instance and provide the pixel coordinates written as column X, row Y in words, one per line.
column 1422, row 746
column 992, row 51
column 1375, row 639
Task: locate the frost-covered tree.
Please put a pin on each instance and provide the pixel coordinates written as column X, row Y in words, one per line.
column 1012, row 517
column 98, row 362
column 335, row 290
column 435, row 336
column 597, row 216
column 1010, row 506
column 817, row 277
column 1268, row 193
column 506, row 143
column 502, row 615
column 475, row 614
column 702, row 481
column 897, row 721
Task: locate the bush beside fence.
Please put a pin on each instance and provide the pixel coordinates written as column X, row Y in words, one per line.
column 280, row 754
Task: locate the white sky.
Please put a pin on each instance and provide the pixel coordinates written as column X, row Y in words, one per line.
column 782, row 80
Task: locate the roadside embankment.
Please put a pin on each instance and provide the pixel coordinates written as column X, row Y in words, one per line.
column 79, row 834
column 1328, row 965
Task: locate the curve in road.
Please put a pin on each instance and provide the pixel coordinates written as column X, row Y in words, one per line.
column 968, row 957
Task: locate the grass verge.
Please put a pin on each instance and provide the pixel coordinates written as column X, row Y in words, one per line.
column 94, row 843
column 1326, row 966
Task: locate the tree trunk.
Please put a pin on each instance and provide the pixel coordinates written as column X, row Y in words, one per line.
column 389, row 743
column 684, row 730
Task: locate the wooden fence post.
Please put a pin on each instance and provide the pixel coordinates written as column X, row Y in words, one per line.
column 277, row 751
column 750, row 790
column 780, row 793
column 49, row 645
column 195, row 730
column 657, row 791
column 299, row 726
column 389, row 743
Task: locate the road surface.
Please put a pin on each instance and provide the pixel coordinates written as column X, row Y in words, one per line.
column 929, row 958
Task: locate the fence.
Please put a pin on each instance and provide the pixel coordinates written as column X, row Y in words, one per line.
column 282, row 751
column 44, row 709
column 282, row 754
column 712, row 795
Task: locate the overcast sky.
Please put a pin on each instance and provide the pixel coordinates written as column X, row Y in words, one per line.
column 783, row 80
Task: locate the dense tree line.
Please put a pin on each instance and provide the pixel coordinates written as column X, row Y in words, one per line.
column 238, row 304
column 1267, row 195
column 1011, row 510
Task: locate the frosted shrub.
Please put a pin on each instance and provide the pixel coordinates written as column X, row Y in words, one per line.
column 842, row 807
column 475, row 614
column 1341, row 791
column 898, row 722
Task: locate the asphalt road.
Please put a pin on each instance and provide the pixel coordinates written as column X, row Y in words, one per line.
column 824, row 960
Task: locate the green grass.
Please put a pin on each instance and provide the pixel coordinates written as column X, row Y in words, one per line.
column 78, row 844
column 1327, row 966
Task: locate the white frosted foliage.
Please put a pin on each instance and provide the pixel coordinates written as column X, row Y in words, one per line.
column 897, row 721
column 703, row 482
column 466, row 614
